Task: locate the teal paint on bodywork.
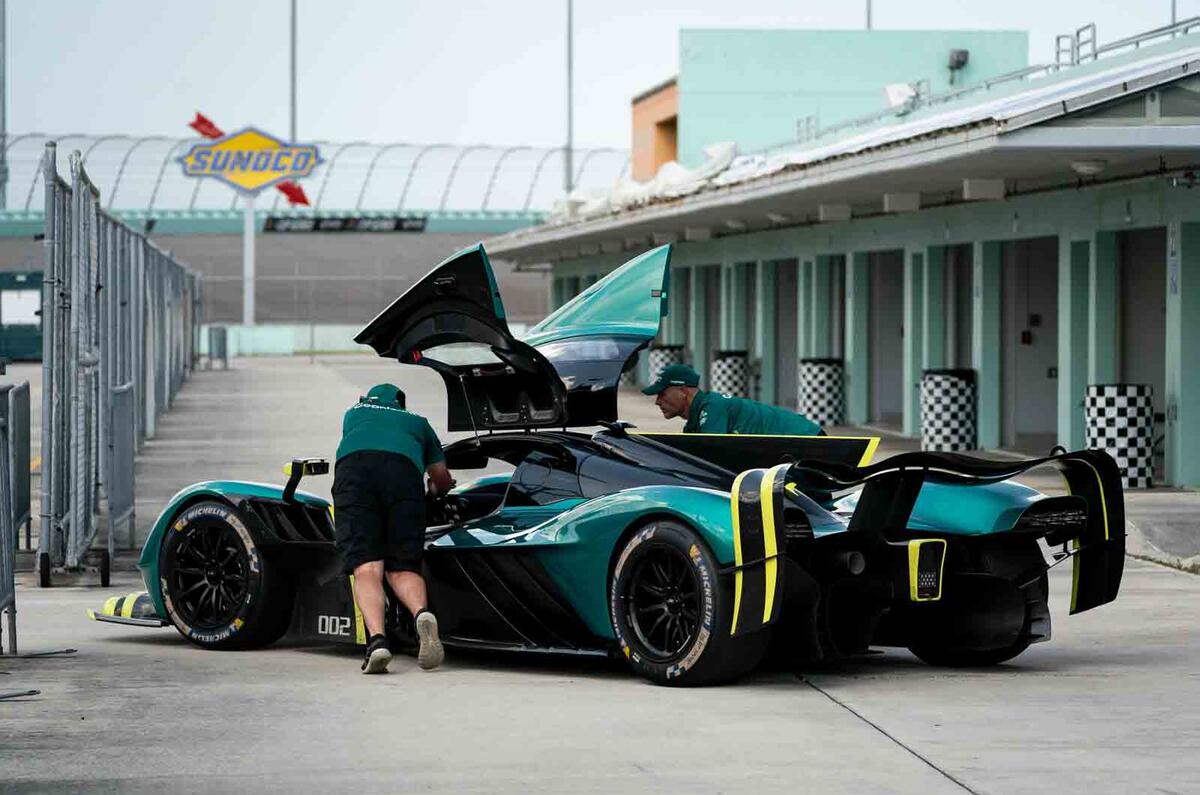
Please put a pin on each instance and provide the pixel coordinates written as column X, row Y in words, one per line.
column 971, row 510
column 575, row 540
column 481, row 482
column 632, row 300
column 230, row 491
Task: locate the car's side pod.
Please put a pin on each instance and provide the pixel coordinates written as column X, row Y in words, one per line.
column 891, row 489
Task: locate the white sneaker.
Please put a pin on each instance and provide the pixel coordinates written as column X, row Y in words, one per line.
column 431, row 653
column 378, row 656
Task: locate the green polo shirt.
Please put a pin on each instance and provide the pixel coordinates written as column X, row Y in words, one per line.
column 378, row 423
column 714, row 413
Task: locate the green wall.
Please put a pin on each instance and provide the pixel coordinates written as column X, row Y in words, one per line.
column 752, row 86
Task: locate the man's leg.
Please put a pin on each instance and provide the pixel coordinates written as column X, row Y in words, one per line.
column 409, row 588
column 368, row 593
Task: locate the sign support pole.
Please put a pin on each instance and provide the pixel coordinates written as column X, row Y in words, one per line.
column 248, row 261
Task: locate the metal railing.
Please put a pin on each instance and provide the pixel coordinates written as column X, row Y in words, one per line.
column 120, row 324
column 1071, row 49
column 137, row 168
column 14, row 497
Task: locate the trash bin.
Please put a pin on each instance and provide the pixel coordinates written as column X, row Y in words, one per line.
column 218, row 346
column 662, row 357
column 948, row 410
column 821, row 393
column 1120, row 421
column 729, row 373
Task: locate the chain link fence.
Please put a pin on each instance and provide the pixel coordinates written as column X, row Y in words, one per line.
column 14, row 497
column 120, row 324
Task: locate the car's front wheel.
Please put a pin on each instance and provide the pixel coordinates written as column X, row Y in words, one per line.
column 219, row 591
column 672, row 612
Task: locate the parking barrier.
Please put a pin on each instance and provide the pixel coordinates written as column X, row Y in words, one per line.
column 1120, row 421
column 948, row 410
column 662, row 357
column 821, row 396
column 120, row 326
column 729, row 373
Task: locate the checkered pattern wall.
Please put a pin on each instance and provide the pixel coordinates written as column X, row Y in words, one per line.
column 821, row 395
column 662, row 357
column 948, row 410
column 1120, row 421
column 729, row 373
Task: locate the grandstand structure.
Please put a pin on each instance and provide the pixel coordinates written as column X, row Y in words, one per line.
column 455, row 194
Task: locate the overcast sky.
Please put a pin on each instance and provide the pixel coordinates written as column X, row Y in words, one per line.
column 459, row 71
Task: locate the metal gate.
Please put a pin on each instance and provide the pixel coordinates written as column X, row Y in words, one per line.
column 119, row 334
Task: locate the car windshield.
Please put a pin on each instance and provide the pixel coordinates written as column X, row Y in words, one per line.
column 462, row 354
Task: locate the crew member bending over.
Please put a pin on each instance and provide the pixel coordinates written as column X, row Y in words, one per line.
column 679, row 395
column 379, row 514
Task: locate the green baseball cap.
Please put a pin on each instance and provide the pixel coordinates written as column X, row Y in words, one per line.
column 674, row 375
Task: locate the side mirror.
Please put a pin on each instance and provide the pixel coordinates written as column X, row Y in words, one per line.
column 297, row 469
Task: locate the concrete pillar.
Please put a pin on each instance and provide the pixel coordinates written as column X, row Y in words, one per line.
column 676, row 309
column 857, row 346
column 985, row 339
column 725, row 310
column 764, row 327
column 914, row 290
column 1102, row 310
column 933, row 304
column 735, row 337
column 1183, row 354
column 1073, row 266
column 818, row 308
column 698, row 320
column 554, row 297
column 804, row 280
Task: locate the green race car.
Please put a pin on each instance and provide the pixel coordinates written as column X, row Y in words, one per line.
column 692, row 557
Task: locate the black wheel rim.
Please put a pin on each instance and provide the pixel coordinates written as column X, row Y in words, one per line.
column 663, row 603
column 210, row 576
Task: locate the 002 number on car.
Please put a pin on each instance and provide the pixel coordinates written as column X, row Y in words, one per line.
column 333, row 625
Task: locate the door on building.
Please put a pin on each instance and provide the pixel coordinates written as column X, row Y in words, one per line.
column 1142, row 320
column 786, row 298
column 885, row 355
column 959, row 309
column 1029, row 345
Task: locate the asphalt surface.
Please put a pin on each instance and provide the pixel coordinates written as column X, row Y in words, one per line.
column 1108, row 705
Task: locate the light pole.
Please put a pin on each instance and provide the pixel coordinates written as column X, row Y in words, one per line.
column 292, row 114
column 3, row 106
column 567, row 153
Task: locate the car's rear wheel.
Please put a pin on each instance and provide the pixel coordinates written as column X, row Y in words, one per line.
column 219, row 590
column 671, row 611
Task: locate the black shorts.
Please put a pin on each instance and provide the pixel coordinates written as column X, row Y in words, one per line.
column 379, row 511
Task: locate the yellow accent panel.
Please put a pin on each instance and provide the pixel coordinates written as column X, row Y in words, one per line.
column 127, row 608
column 737, row 548
column 1074, row 574
column 360, row 629
column 1103, row 501
column 287, row 469
column 868, row 454
column 110, row 605
column 914, row 555
column 91, row 614
column 766, row 495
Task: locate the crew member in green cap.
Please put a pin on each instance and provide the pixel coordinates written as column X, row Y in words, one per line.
column 379, row 515
column 679, row 395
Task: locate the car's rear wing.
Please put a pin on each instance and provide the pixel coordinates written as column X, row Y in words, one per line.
column 890, row 490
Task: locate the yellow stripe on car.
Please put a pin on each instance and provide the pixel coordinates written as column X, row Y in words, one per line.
column 766, row 498
column 130, row 603
column 737, row 548
column 360, row 629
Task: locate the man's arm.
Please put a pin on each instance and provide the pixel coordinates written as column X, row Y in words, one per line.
column 439, row 476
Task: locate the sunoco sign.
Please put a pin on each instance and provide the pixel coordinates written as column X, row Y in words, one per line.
column 250, row 160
